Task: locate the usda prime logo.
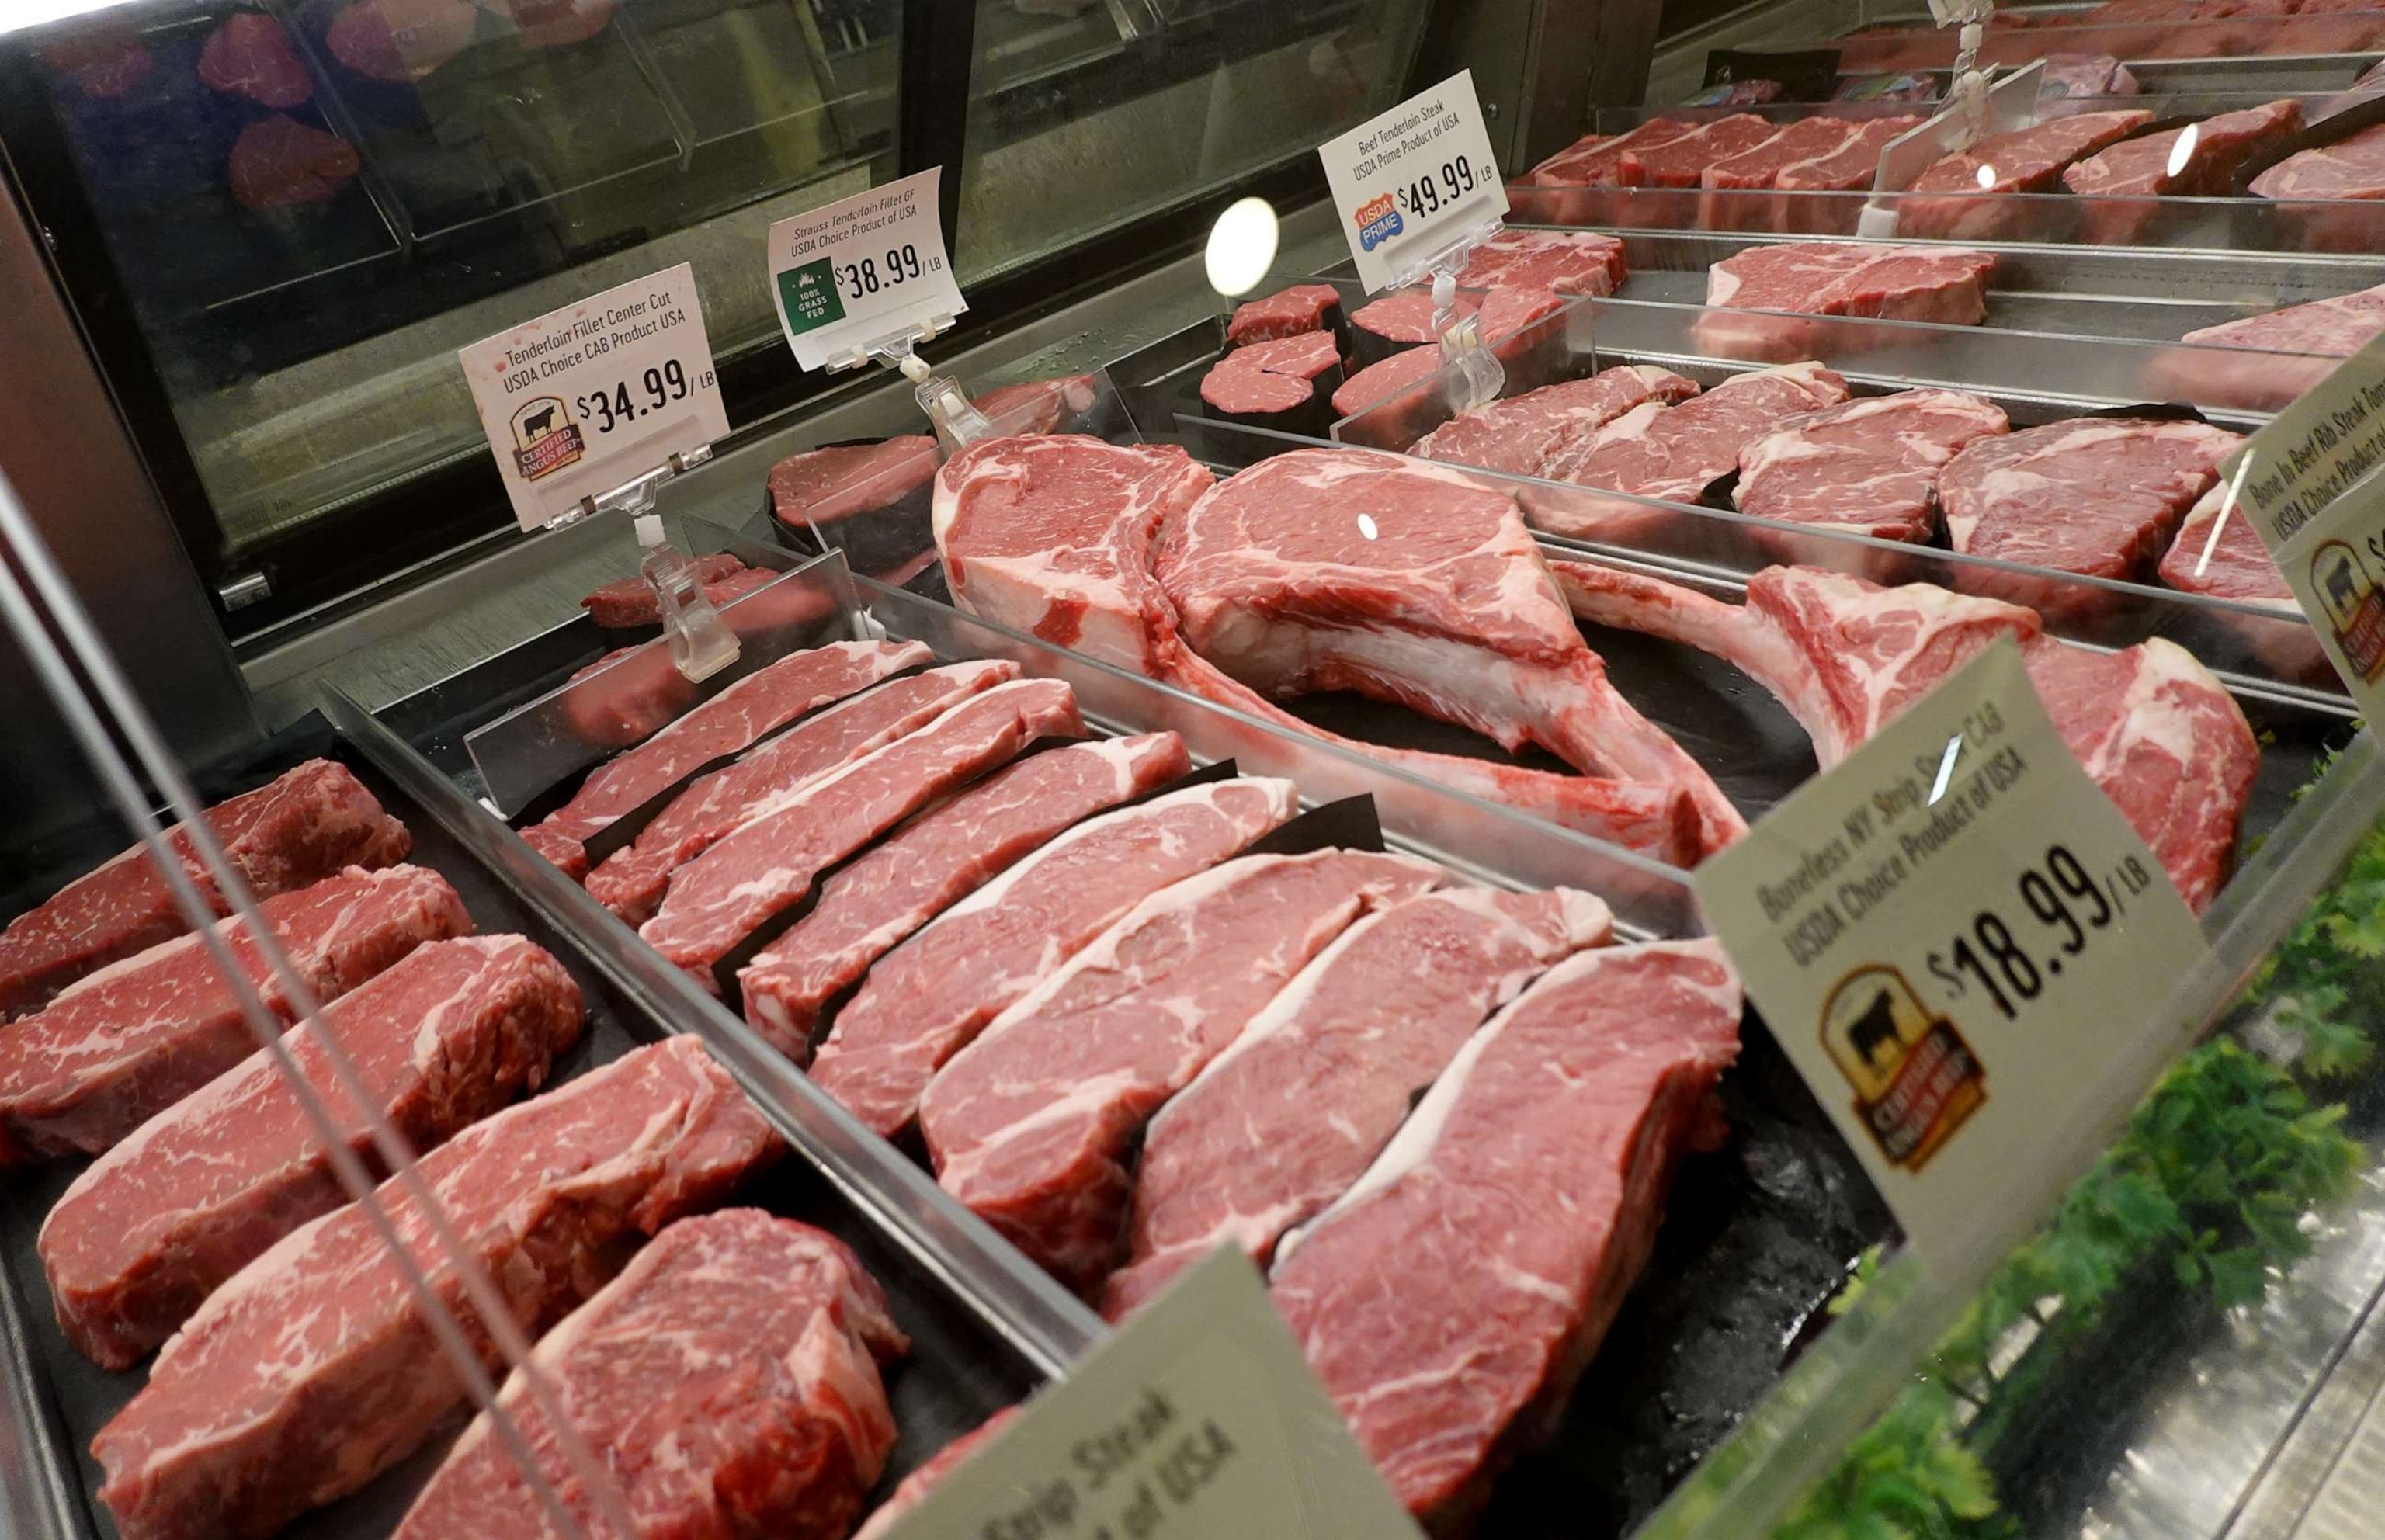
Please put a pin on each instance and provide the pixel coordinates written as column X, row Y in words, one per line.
column 1377, row 221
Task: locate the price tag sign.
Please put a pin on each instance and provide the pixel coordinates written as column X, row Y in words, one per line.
column 1199, row 1418
column 1951, row 933
column 597, row 393
column 1411, row 183
column 862, row 272
column 2305, row 482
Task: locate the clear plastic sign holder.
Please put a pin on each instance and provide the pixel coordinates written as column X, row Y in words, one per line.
column 127, row 720
column 1975, row 110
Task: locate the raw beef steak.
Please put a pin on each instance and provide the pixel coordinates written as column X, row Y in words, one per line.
column 1853, row 166
column 2125, row 179
column 1822, row 277
column 629, row 706
column 1054, row 536
column 1806, row 139
column 631, row 881
column 313, row 1370
column 1576, row 263
column 1869, row 465
column 133, row 1039
column 1241, row 1155
column 870, row 501
column 729, row 1380
column 1032, row 1124
column 2076, row 75
column 2240, row 566
column 1039, row 406
column 2025, row 160
column 1592, row 161
column 769, row 865
column 916, row 1486
column 932, row 862
column 1285, row 313
column 299, row 828
column 279, row 162
column 1279, row 384
column 630, row 602
column 1344, row 570
column 1452, row 1298
column 399, row 41
column 1676, row 453
column 2324, row 332
column 1682, row 161
column 732, row 721
column 1524, row 435
column 1391, row 386
column 250, row 56
column 2354, row 167
column 932, row 996
column 2100, row 496
column 153, row 1226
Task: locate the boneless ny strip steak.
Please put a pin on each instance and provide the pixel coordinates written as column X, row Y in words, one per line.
column 631, row 882
column 1869, row 465
column 734, row 720
column 1241, row 1154
column 1676, row 453
column 2125, row 179
column 932, row 996
column 1032, row 1124
column 312, row 1371
column 1054, row 536
column 936, row 859
column 150, row 1228
column 137, row 1037
column 1945, row 284
column 1543, row 432
column 2164, row 739
column 2323, row 332
column 1469, row 1275
column 303, row 826
column 729, row 1380
column 767, row 865
column 2025, row 160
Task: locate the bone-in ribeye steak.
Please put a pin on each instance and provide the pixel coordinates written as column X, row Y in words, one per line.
column 931, row 863
column 734, row 720
column 150, row 1228
column 302, row 827
column 1869, row 466
column 1053, row 536
column 631, row 882
column 1526, row 435
column 768, row 865
column 313, row 1370
column 131, row 1040
column 1241, row 1155
column 1411, row 582
column 1469, row 1274
column 2160, row 736
column 728, row 1379
column 1030, row 1125
column 932, row 996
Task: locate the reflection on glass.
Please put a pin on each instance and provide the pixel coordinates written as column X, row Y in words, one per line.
column 1242, row 246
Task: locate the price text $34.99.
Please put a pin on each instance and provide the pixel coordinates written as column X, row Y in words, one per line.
column 612, row 406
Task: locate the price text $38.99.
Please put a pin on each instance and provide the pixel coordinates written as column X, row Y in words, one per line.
column 2012, row 974
column 900, row 265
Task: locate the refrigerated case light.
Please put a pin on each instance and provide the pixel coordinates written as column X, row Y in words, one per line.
column 1242, row 246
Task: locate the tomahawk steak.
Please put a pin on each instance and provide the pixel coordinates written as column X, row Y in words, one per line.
column 1030, row 1125
column 1867, row 465
column 1469, row 1274
column 1241, row 1154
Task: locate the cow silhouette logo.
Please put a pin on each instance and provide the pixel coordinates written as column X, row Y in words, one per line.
column 2355, row 611
column 546, row 439
column 1916, row 1080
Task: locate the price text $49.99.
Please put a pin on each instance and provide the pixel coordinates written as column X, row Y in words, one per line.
column 1435, row 191
column 2010, row 969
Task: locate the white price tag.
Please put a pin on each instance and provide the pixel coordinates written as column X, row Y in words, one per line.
column 1413, row 182
column 2306, row 483
column 597, row 393
column 1199, row 1418
column 1951, row 934
column 863, row 271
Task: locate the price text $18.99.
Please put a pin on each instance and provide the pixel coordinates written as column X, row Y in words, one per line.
column 2071, row 905
column 613, row 406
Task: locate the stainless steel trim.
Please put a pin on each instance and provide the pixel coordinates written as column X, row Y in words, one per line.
column 39, row 1493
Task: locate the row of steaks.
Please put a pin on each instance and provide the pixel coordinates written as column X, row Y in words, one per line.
column 292, row 1361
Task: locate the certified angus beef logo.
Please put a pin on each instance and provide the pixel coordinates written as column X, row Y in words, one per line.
column 1377, row 221
column 1915, row 1079
column 546, row 439
column 2355, row 611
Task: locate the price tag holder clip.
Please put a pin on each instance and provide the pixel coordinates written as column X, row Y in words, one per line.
column 1481, row 375
column 958, row 423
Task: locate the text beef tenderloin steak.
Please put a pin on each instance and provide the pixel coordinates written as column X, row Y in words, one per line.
column 1240, row 1156
column 1054, row 536
column 1346, row 569
column 932, row 996
column 150, row 1228
column 133, row 1039
column 303, row 826
column 1452, row 1298
column 313, row 1370
column 1869, row 465
column 936, row 859
column 1032, row 1124
column 728, row 1379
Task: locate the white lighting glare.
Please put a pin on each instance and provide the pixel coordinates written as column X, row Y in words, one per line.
column 1242, row 246
column 1366, row 525
column 1986, row 176
column 2183, row 150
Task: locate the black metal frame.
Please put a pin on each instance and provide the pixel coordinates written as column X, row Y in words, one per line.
column 337, row 560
